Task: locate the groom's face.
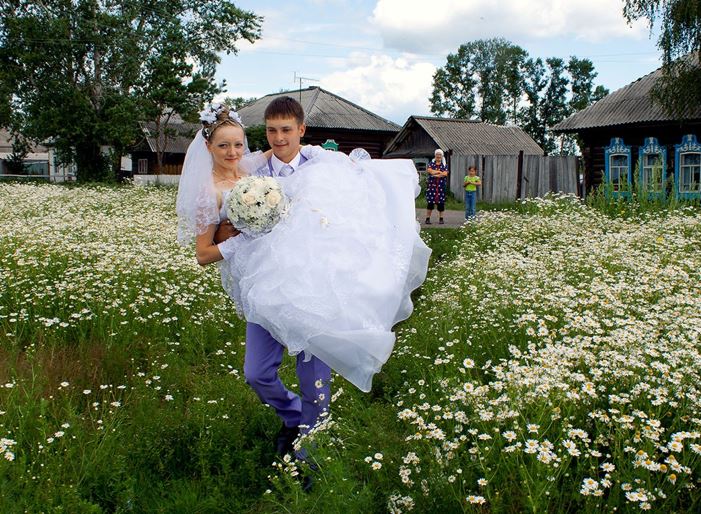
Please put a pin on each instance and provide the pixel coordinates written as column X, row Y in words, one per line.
column 284, row 136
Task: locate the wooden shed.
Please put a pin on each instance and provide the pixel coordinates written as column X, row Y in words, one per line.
column 180, row 134
column 627, row 140
column 493, row 149
column 330, row 117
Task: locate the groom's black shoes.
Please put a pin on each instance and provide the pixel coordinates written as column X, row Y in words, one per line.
column 307, row 477
column 307, row 483
column 284, row 442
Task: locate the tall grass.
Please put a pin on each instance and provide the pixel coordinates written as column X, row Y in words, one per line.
column 552, row 365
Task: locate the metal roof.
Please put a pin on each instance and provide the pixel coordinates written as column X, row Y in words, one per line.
column 6, row 144
column 626, row 106
column 176, row 143
column 322, row 109
column 469, row 137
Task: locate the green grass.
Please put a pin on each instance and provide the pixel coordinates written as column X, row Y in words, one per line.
column 551, row 324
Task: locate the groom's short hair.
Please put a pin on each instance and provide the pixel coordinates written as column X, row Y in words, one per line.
column 284, row 107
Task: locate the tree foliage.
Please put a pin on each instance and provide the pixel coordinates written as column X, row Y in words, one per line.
column 83, row 74
column 237, row 102
column 467, row 86
column 257, row 139
column 678, row 90
column 495, row 81
column 20, row 149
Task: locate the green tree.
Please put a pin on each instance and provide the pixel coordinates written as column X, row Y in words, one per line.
column 678, row 89
column 257, row 139
column 172, row 89
column 482, row 79
column 237, row 102
column 555, row 106
column 583, row 93
column 85, row 73
column 496, row 81
column 546, row 91
column 15, row 161
column 534, row 83
column 454, row 87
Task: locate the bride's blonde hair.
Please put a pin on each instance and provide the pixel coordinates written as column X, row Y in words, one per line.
column 217, row 116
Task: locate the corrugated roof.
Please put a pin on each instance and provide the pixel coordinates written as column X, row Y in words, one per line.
column 6, row 144
column 322, row 109
column 177, row 143
column 470, row 137
column 626, row 106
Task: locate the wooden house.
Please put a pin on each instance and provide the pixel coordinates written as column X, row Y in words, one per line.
column 628, row 141
column 144, row 154
column 40, row 162
column 331, row 119
column 493, row 149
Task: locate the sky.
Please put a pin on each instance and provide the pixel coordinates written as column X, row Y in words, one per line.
column 382, row 54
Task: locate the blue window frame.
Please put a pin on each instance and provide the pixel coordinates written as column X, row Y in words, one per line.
column 652, row 160
column 618, row 169
column 687, row 167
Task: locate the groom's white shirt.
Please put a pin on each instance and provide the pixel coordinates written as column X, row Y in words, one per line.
column 277, row 164
column 228, row 248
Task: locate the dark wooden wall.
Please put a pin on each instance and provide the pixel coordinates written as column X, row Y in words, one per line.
column 596, row 140
column 374, row 142
column 172, row 162
column 416, row 143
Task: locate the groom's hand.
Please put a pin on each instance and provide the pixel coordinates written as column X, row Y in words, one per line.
column 224, row 231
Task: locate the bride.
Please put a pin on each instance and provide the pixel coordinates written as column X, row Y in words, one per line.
column 333, row 276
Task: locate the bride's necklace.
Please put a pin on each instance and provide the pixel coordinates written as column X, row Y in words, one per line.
column 223, row 178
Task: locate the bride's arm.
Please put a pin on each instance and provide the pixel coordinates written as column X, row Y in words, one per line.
column 205, row 250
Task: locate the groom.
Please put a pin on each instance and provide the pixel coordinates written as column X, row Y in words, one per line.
column 284, row 128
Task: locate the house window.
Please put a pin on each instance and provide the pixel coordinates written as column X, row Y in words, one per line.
column 618, row 167
column 687, row 167
column 690, row 172
column 618, row 171
column 652, row 162
column 143, row 166
column 652, row 172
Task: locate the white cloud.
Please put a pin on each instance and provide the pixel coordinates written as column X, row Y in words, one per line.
column 442, row 25
column 393, row 88
column 276, row 33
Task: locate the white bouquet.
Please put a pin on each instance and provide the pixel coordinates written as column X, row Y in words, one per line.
column 256, row 204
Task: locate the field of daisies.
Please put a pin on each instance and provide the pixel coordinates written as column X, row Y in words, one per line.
column 552, row 364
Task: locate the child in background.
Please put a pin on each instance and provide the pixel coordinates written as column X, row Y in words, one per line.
column 471, row 183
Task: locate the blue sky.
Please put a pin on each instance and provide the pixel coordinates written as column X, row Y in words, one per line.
column 382, row 54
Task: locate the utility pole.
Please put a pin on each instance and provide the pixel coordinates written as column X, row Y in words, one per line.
column 300, row 79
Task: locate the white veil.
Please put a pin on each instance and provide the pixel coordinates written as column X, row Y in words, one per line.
column 196, row 204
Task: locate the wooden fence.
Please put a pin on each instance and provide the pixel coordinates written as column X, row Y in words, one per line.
column 501, row 175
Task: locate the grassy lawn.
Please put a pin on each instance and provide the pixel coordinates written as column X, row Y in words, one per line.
column 552, row 364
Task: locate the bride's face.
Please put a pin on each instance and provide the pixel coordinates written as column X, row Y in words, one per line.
column 226, row 146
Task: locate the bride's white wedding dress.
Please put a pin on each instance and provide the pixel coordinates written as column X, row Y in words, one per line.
column 336, row 273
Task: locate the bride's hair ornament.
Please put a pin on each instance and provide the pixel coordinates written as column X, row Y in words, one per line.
column 215, row 115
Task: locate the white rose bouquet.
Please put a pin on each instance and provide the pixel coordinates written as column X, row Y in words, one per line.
column 256, row 204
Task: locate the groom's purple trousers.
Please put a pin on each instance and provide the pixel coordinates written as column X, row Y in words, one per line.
column 263, row 358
